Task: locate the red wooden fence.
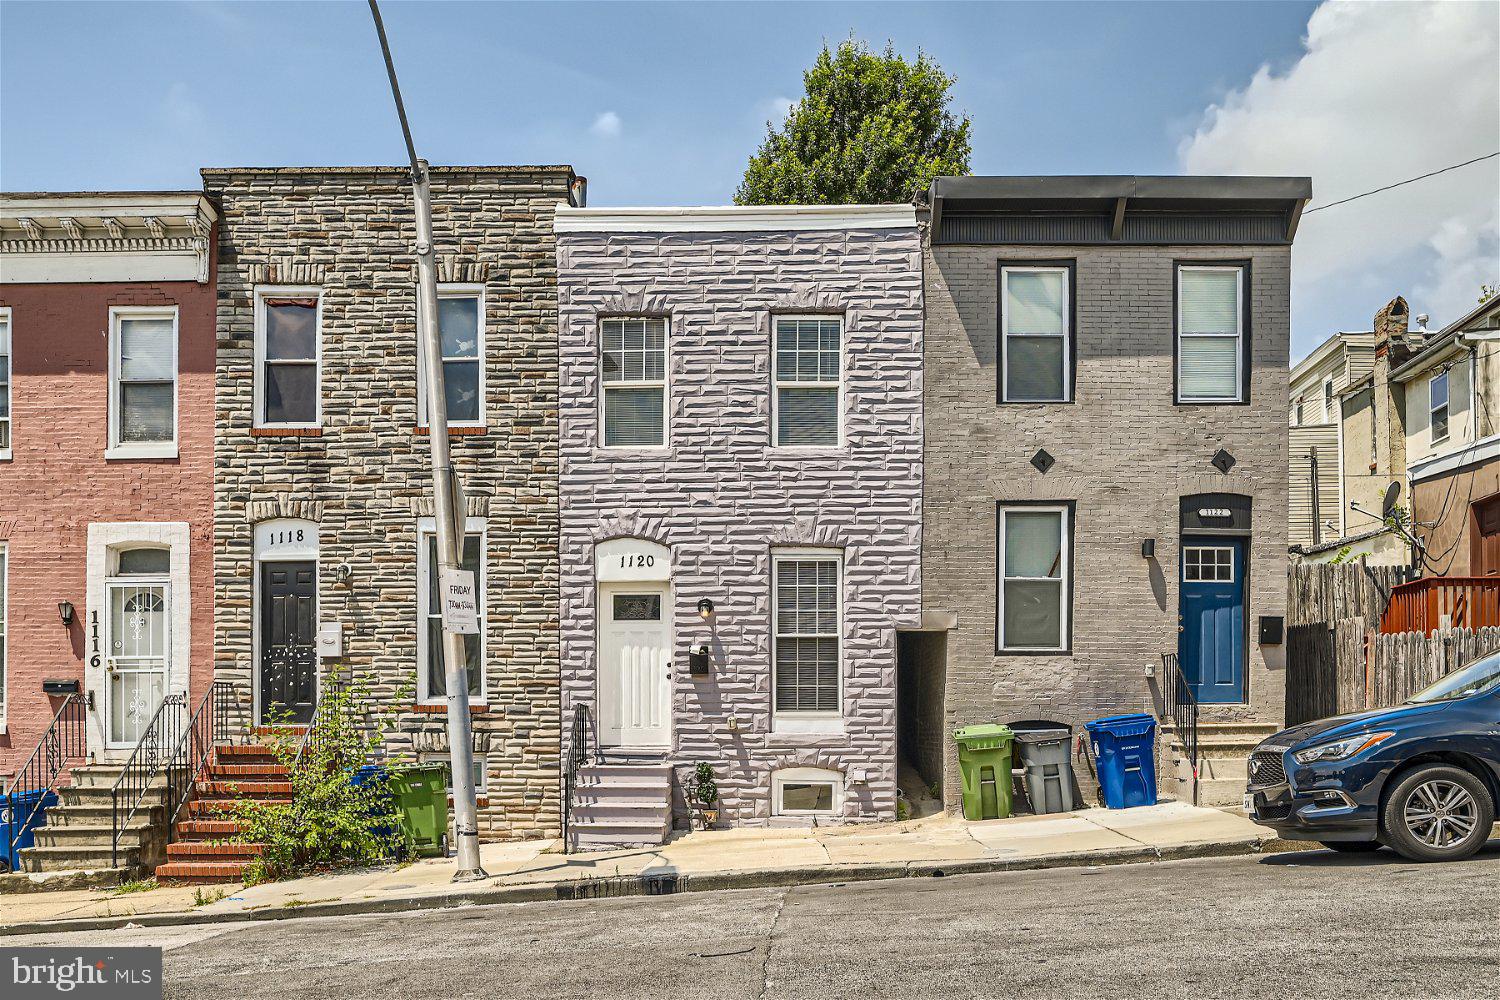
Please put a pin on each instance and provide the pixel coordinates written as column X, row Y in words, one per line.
column 1421, row 605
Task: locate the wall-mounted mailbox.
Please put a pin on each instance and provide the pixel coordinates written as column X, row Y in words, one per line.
column 330, row 640
column 1272, row 629
column 57, row 687
column 698, row 662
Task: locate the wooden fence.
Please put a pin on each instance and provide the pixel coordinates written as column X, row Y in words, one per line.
column 1326, row 593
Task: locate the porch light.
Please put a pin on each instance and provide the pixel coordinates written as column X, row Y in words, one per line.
column 65, row 612
column 1148, row 549
column 705, row 609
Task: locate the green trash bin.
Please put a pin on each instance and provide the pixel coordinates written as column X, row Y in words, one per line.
column 984, row 764
column 421, row 794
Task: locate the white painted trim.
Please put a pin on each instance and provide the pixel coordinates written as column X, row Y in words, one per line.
column 1240, row 381
column 447, row 291
column 103, row 538
column 665, row 385
column 9, row 343
column 1343, row 504
column 4, row 645
column 80, row 266
column 1470, row 454
column 777, row 384
column 806, row 776
column 259, row 557
column 733, row 218
column 824, row 721
column 118, row 449
column 1066, row 336
column 263, row 292
column 164, row 205
column 472, row 526
column 1065, row 532
column 1432, row 438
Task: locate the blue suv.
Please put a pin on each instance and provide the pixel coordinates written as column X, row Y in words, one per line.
column 1422, row 778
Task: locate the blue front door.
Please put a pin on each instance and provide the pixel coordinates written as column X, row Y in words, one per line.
column 1211, row 645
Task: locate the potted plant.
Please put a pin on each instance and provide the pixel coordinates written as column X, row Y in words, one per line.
column 703, row 792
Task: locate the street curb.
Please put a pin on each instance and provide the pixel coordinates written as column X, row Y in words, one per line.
column 667, row 883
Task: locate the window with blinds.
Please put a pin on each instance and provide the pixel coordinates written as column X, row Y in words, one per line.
column 433, row 672
column 1034, row 588
column 287, row 336
column 807, row 613
column 808, row 376
column 633, row 372
column 461, row 339
column 1437, row 406
column 4, row 380
column 1035, row 317
column 143, row 395
column 1210, row 334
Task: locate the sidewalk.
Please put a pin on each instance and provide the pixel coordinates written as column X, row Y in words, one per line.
column 717, row 859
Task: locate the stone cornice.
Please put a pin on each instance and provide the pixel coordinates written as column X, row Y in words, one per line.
column 42, row 235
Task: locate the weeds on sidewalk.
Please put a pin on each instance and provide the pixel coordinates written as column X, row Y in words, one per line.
column 138, row 885
column 201, row 898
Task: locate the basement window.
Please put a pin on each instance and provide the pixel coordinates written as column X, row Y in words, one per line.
column 481, row 766
column 807, row 791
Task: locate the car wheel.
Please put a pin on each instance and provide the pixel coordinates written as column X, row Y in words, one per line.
column 1353, row 846
column 1438, row 813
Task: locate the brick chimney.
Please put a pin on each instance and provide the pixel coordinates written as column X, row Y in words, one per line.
column 1390, row 325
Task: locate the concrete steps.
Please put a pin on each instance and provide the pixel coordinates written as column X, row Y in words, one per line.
column 77, row 838
column 621, row 805
column 1223, row 761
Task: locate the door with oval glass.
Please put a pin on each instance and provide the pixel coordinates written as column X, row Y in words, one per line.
column 635, row 666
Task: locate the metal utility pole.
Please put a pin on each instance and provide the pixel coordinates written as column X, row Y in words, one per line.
column 448, row 506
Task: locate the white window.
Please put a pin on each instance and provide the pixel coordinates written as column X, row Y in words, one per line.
column 1437, row 406
column 1297, row 414
column 633, row 373
column 807, row 612
column 142, row 382
column 3, row 569
column 807, row 791
column 461, row 334
column 432, row 684
column 807, row 403
column 288, row 338
column 4, row 383
column 1328, row 401
column 1208, row 564
column 1034, row 342
column 1210, row 334
column 481, row 767
column 1034, row 578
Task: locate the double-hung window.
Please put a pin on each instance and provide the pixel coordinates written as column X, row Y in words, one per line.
column 1328, row 401
column 4, row 383
column 432, row 678
column 807, row 612
column 2, row 636
column 633, row 369
column 1035, row 334
column 461, row 334
column 143, row 382
column 1035, row 583
column 808, row 399
column 1437, row 406
column 288, row 336
column 1211, row 334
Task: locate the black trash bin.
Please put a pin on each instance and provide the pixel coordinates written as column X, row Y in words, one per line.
column 1045, row 751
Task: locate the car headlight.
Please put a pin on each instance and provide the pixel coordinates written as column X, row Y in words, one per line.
column 1341, row 749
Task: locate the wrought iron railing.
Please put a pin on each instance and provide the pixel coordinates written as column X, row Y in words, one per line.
column 330, row 700
column 64, row 740
column 578, row 755
column 1182, row 706
column 208, row 728
column 151, row 758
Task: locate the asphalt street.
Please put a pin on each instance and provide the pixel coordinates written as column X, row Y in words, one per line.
column 1296, row 926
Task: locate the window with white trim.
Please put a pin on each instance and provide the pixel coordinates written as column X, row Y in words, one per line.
column 288, row 337
column 1034, row 334
column 481, row 767
column 633, row 374
column 461, row 336
column 1035, row 589
column 807, row 398
column 4, row 382
column 807, row 791
column 1437, row 406
column 432, row 681
column 1328, row 401
column 807, row 613
column 3, row 583
column 1210, row 334
column 1208, row 564
column 143, row 381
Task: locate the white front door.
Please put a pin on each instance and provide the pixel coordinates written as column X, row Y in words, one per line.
column 635, row 666
column 138, row 643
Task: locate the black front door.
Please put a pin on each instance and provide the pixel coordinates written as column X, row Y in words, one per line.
column 288, row 653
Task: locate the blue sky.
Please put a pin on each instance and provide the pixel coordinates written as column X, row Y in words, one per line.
column 663, row 103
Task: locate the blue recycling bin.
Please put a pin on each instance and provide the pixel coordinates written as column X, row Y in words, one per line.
column 1125, row 749
column 20, row 815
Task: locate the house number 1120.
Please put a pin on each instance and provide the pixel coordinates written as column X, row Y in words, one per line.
column 635, row 560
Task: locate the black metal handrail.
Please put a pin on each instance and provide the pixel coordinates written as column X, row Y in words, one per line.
column 1182, row 706
column 323, row 708
column 153, row 754
column 65, row 739
column 578, row 755
column 208, row 728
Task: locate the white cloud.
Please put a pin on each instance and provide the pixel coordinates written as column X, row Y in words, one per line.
column 1381, row 93
column 773, row 109
column 607, row 125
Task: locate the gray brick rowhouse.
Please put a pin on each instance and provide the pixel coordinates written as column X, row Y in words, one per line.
column 742, row 428
column 322, row 490
column 1146, row 325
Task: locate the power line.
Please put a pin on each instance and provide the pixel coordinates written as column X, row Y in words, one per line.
column 1409, row 180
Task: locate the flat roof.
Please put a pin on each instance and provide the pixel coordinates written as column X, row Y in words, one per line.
column 733, row 218
column 1109, row 187
column 387, row 169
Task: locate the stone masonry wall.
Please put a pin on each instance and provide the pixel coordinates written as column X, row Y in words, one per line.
column 1125, row 453
column 366, row 478
column 721, row 498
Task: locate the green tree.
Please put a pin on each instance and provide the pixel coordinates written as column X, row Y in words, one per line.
column 872, row 128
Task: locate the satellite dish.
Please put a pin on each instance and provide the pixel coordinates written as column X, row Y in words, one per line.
column 1388, row 502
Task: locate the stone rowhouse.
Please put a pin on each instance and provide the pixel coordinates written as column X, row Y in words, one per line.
column 322, row 496
column 106, row 459
column 741, row 496
column 1106, row 449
